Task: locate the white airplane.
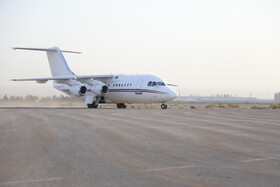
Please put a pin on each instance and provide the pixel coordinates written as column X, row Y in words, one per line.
column 115, row 88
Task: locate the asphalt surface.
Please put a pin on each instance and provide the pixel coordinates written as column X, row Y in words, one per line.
column 139, row 147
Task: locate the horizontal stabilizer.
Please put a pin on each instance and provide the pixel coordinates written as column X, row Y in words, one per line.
column 172, row 85
column 44, row 49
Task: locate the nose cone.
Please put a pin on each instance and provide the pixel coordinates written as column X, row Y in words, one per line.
column 172, row 95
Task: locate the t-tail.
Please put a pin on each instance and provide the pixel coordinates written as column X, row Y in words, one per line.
column 56, row 60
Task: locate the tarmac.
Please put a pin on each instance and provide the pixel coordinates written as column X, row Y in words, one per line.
column 139, row 147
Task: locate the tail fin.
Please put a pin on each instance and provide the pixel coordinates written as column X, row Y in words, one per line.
column 56, row 59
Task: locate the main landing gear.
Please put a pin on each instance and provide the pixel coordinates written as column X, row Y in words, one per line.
column 93, row 105
column 163, row 106
column 121, row 105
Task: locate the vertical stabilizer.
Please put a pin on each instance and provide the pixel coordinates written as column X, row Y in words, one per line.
column 57, row 63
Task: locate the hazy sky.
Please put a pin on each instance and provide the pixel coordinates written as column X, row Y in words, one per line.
column 207, row 47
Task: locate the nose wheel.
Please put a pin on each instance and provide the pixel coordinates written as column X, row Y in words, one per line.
column 121, row 105
column 163, row 106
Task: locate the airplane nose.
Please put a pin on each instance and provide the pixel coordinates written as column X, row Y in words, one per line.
column 172, row 95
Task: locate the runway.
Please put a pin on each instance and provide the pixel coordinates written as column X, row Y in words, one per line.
column 139, row 147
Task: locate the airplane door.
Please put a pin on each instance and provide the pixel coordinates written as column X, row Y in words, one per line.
column 139, row 87
column 155, row 88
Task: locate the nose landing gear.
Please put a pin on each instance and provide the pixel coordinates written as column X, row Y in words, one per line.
column 163, row 106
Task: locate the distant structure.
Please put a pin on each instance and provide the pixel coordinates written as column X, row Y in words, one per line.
column 277, row 97
column 223, row 98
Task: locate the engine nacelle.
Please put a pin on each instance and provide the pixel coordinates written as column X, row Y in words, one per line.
column 78, row 90
column 100, row 89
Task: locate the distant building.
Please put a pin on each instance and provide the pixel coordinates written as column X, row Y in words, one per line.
column 277, row 97
column 222, row 99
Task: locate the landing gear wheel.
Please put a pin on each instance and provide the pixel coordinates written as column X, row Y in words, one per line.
column 93, row 105
column 163, row 106
column 121, row 105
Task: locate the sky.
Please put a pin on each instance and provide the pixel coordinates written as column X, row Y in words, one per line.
column 206, row 47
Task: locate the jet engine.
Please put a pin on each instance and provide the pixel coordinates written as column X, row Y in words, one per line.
column 78, row 90
column 99, row 89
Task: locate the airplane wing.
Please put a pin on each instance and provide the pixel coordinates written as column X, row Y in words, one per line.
column 81, row 78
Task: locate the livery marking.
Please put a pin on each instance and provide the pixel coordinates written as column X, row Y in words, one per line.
column 136, row 90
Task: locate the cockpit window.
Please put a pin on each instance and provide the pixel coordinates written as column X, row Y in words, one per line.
column 161, row 83
column 154, row 83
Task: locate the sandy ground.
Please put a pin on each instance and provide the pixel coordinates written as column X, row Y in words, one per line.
column 139, row 147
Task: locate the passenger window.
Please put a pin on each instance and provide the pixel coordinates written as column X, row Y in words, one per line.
column 150, row 83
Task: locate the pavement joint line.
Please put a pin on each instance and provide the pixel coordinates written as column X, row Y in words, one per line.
column 168, row 168
column 31, row 181
column 258, row 159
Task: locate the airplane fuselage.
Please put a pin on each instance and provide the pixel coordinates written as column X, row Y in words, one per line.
column 133, row 89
